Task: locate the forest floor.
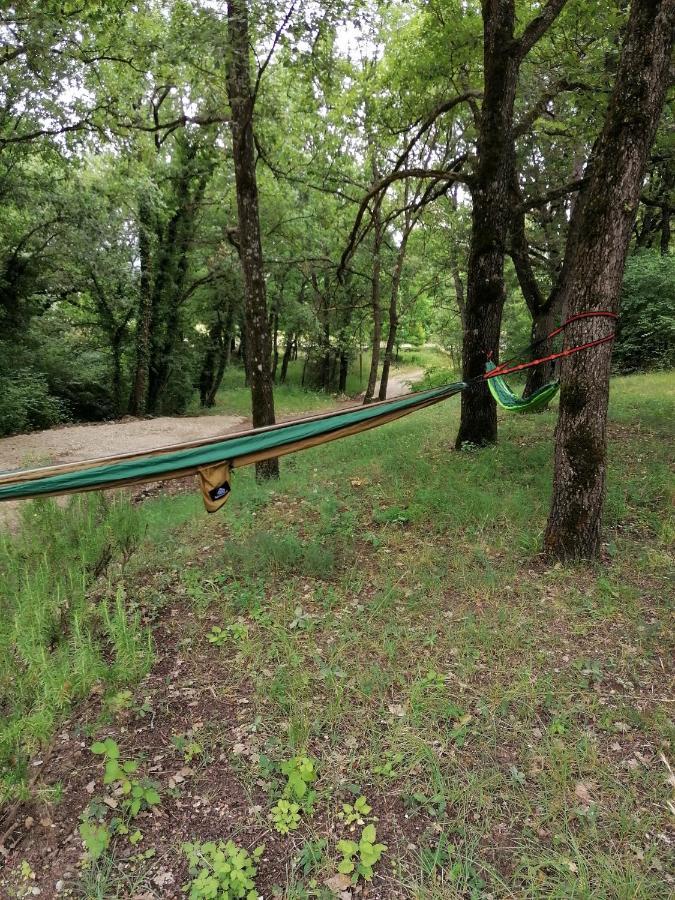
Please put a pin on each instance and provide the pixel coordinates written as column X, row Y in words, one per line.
column 380, row 618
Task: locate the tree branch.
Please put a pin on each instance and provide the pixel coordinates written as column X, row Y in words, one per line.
column 538, row 27
column 450, row 176
column 268, row 58
column 553, row 194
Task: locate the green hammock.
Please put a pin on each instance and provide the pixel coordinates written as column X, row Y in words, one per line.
column 212, row 458
column 508, row 400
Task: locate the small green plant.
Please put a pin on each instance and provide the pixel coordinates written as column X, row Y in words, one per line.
column 237, row 632
column 119, row 702
column 217, row 635
column 188, row 746
column 359, row 858
column 95, row 837
column 390, row 768
column 139, row 794
column 311, row 856
column 356, row 813
column 300, row 773
column 285, row 815
column 221, row 870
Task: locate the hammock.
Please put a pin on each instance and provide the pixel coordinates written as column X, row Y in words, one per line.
column 213, row 458
column 505, row 397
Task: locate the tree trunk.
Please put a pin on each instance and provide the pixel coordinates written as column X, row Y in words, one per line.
column 489, row 222
column 117, row 380
column 607, row 207
column 376, row 306
column 544, row 320
column 344, row 371
column 459, row 295
column 258, row 341
column 275, row 344
column 139, row 389
column 490, row 191
column 393, row 313
column 288, row 350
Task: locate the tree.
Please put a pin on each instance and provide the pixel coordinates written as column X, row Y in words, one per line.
column 596, row 253
column 258, row 341
column 503, row 55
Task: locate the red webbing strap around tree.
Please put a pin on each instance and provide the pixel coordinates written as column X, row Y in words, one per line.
column 506, row 369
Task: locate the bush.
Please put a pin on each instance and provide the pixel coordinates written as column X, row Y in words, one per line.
column 26, row 404
column 646, row 328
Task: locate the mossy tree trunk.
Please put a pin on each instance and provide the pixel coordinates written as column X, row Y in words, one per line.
column 258, row 339
column 606, row 207
column 137, row 400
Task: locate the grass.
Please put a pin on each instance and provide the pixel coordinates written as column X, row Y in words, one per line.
column 387, row 614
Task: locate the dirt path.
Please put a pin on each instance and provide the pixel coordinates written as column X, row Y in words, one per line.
column 400, row 383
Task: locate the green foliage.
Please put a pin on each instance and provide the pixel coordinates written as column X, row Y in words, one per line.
column 285, row 815
column 56, row 643
column 221, row 870
column 646, row 327
column 95, row 837
column 358, row 859
column 300, row 773
column 356, row 813
column 26, row 404
column 138, row 794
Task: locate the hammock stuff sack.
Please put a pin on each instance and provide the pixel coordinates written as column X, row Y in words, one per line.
column 213, row 458
column 505, row 397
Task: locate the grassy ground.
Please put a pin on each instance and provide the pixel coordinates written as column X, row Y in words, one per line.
column 380, row 619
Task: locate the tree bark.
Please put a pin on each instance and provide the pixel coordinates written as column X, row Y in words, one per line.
column 607, row 207
column 393, row 312
column 138, row 398
column 490, row 190
column 258, row 341
column 285, row 359
column 489, row 221
column 375, row 305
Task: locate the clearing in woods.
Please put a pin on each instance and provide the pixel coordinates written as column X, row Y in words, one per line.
column 381, row 612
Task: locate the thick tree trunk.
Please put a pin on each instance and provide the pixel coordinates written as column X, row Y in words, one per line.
column 376, row 306
column 258, row 341
column 490, row 221
column 607, row 207
column 490, row 190
column 137, row 400
column 544, row 320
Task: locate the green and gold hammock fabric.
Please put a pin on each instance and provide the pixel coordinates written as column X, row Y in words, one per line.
column 505, row 397
column 212, row 458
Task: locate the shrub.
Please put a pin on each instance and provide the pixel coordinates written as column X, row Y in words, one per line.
column 26, row 404
column 646, row 327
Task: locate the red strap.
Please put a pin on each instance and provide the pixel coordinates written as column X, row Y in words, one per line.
column 535, row 362
column 505, row 369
